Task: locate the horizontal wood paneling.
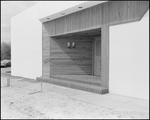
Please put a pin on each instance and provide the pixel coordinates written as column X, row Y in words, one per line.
column 74, row 61
column 65, row 62
column 113, row 12
column 69, row 72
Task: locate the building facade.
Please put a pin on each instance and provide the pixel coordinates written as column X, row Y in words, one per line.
column 103, row 44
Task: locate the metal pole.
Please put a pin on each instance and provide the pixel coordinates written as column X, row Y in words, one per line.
column 8, row 82
column 41, row 84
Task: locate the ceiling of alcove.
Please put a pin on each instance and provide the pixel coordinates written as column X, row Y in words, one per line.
column 86, row 33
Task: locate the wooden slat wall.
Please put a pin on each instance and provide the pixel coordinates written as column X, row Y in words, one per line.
column 45, row 52
column 105, row 56
column 50, row 27
column 74, row 61
column 113, row 12
column 109, row 13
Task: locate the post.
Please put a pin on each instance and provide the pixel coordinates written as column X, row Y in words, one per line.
column 8, row 82
column 41, row 84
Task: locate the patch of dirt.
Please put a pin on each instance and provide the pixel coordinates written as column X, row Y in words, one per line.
column 23, row 99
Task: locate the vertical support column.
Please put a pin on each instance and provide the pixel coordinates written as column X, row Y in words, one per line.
column 45, row 52
column 50, row 57
column 105, row 56
column 49, row 29
column 92, row 56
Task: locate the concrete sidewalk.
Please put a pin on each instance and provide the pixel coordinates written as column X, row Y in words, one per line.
column 108, row 101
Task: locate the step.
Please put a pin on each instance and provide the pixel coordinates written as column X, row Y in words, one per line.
column 75, row 85
column 74, row 79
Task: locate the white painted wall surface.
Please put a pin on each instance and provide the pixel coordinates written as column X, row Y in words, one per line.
column 129, row 59
column 26, row 37
column 26, row 44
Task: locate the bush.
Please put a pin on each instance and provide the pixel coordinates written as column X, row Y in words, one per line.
column 5, row 51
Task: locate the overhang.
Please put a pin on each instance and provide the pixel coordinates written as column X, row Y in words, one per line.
column 59, row 10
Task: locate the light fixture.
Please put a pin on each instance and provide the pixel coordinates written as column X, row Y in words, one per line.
column 73, row 45
column 62, row 13
column 80, row 7
column 68, row 44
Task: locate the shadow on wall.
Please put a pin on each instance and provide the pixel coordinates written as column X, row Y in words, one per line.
column 71, row 61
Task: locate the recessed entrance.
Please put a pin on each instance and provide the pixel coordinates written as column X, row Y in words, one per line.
column 86, row 53
column 76, row 67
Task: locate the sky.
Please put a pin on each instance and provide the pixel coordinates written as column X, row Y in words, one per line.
column 8, row 10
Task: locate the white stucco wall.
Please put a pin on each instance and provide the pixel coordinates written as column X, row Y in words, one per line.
column 26, row 37
column 129, row 59
column 26, row 44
